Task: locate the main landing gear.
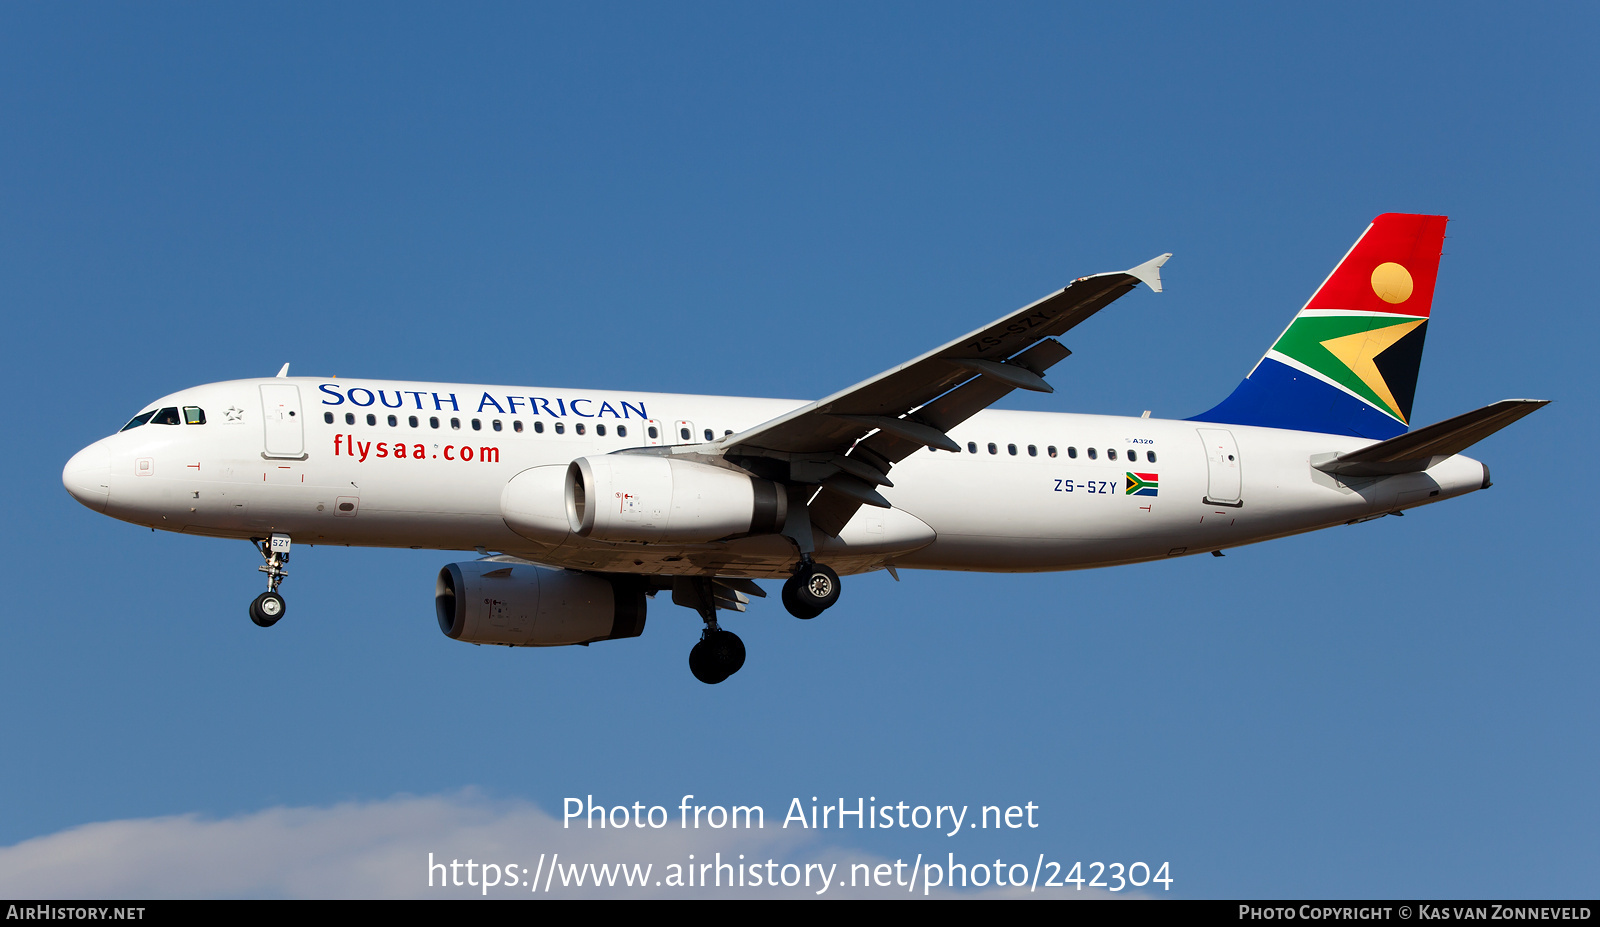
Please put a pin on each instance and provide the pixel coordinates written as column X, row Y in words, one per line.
column 718, row 654
column 812, row 590
column 269, row 606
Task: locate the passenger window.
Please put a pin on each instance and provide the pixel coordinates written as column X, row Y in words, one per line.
column 455, row 424
column 538, row 428
column 1150, row 456
column 1033, row 451
column 477, row 425
column 622, row 431
column 349, row 418
column 496, row 424
column 372, row 419
column 194, row 415
column 144, row 417
column 433, row 421
column 561, row 428
column 1011, row 449
column 516, row 426
column 1072, row 453
column 413, row 421
column 683, row 433
column 972, row 447
column 166, row 417
column 393, row 421
column 326, row 416
column 600, row 430
column 1111, row 453
column 1092, row 454
column 993, row 449
column 1051, row 450
column 710, row 434
column 580, row 428
column 653, row 433
column 727, row 431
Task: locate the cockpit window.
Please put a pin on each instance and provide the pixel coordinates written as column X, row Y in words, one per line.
column 138, row 420
column 194, row 415
column 168, row 416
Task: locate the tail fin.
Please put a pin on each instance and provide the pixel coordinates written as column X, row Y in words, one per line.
column 1348, row 362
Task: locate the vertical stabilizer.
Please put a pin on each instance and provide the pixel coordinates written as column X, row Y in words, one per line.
column 1348, row 362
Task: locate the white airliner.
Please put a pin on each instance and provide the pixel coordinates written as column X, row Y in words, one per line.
column 596, row 500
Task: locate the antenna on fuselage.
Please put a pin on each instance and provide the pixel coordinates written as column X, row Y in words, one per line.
column 283, row 371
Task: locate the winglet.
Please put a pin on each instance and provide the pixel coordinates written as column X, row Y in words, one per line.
column 1149, row 273
column 283, row 371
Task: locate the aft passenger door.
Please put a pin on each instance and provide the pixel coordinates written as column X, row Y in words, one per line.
column 1222, row 467
column 280, row 411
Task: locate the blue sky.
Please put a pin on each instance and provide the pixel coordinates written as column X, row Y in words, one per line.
column 781, row 200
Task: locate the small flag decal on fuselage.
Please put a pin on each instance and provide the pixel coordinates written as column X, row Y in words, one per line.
column 1143, row 484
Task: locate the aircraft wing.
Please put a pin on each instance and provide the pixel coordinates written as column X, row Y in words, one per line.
column 913, row 405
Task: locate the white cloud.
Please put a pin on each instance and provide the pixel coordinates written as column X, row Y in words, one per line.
column 381, row 849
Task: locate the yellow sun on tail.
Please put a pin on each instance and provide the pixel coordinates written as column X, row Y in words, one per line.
column 1391, row 282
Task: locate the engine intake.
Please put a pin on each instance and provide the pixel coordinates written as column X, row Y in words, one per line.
column 521, row 605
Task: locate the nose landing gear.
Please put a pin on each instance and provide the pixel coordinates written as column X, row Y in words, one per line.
column 268, row 607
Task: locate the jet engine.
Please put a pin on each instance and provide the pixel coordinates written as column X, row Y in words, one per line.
column 521, row 605
column 634, row 497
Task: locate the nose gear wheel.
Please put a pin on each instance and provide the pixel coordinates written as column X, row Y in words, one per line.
column 267, row 609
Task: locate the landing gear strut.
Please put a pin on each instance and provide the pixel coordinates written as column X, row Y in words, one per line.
column 719, row 654
column 269, row 606
column 812, row 590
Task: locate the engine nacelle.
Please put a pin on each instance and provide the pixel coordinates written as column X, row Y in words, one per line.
column 533, row 505
column 490, row 602
column 634, row 497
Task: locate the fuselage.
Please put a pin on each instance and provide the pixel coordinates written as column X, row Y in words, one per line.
column 424, row 465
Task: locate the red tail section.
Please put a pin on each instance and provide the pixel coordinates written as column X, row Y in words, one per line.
column 1391, row 269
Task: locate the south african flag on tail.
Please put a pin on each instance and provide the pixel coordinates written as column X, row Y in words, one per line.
column 1348, row 363
column 1143, row 484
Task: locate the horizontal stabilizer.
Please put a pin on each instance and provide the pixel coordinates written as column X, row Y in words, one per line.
column 1421, row 449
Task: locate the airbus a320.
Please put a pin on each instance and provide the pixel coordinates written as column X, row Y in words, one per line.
column 584, row 505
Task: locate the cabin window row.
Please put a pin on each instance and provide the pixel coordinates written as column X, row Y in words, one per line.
column 476, row 424
column 1072, row 452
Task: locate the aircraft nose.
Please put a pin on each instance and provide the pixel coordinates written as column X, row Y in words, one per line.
column 87, row 476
